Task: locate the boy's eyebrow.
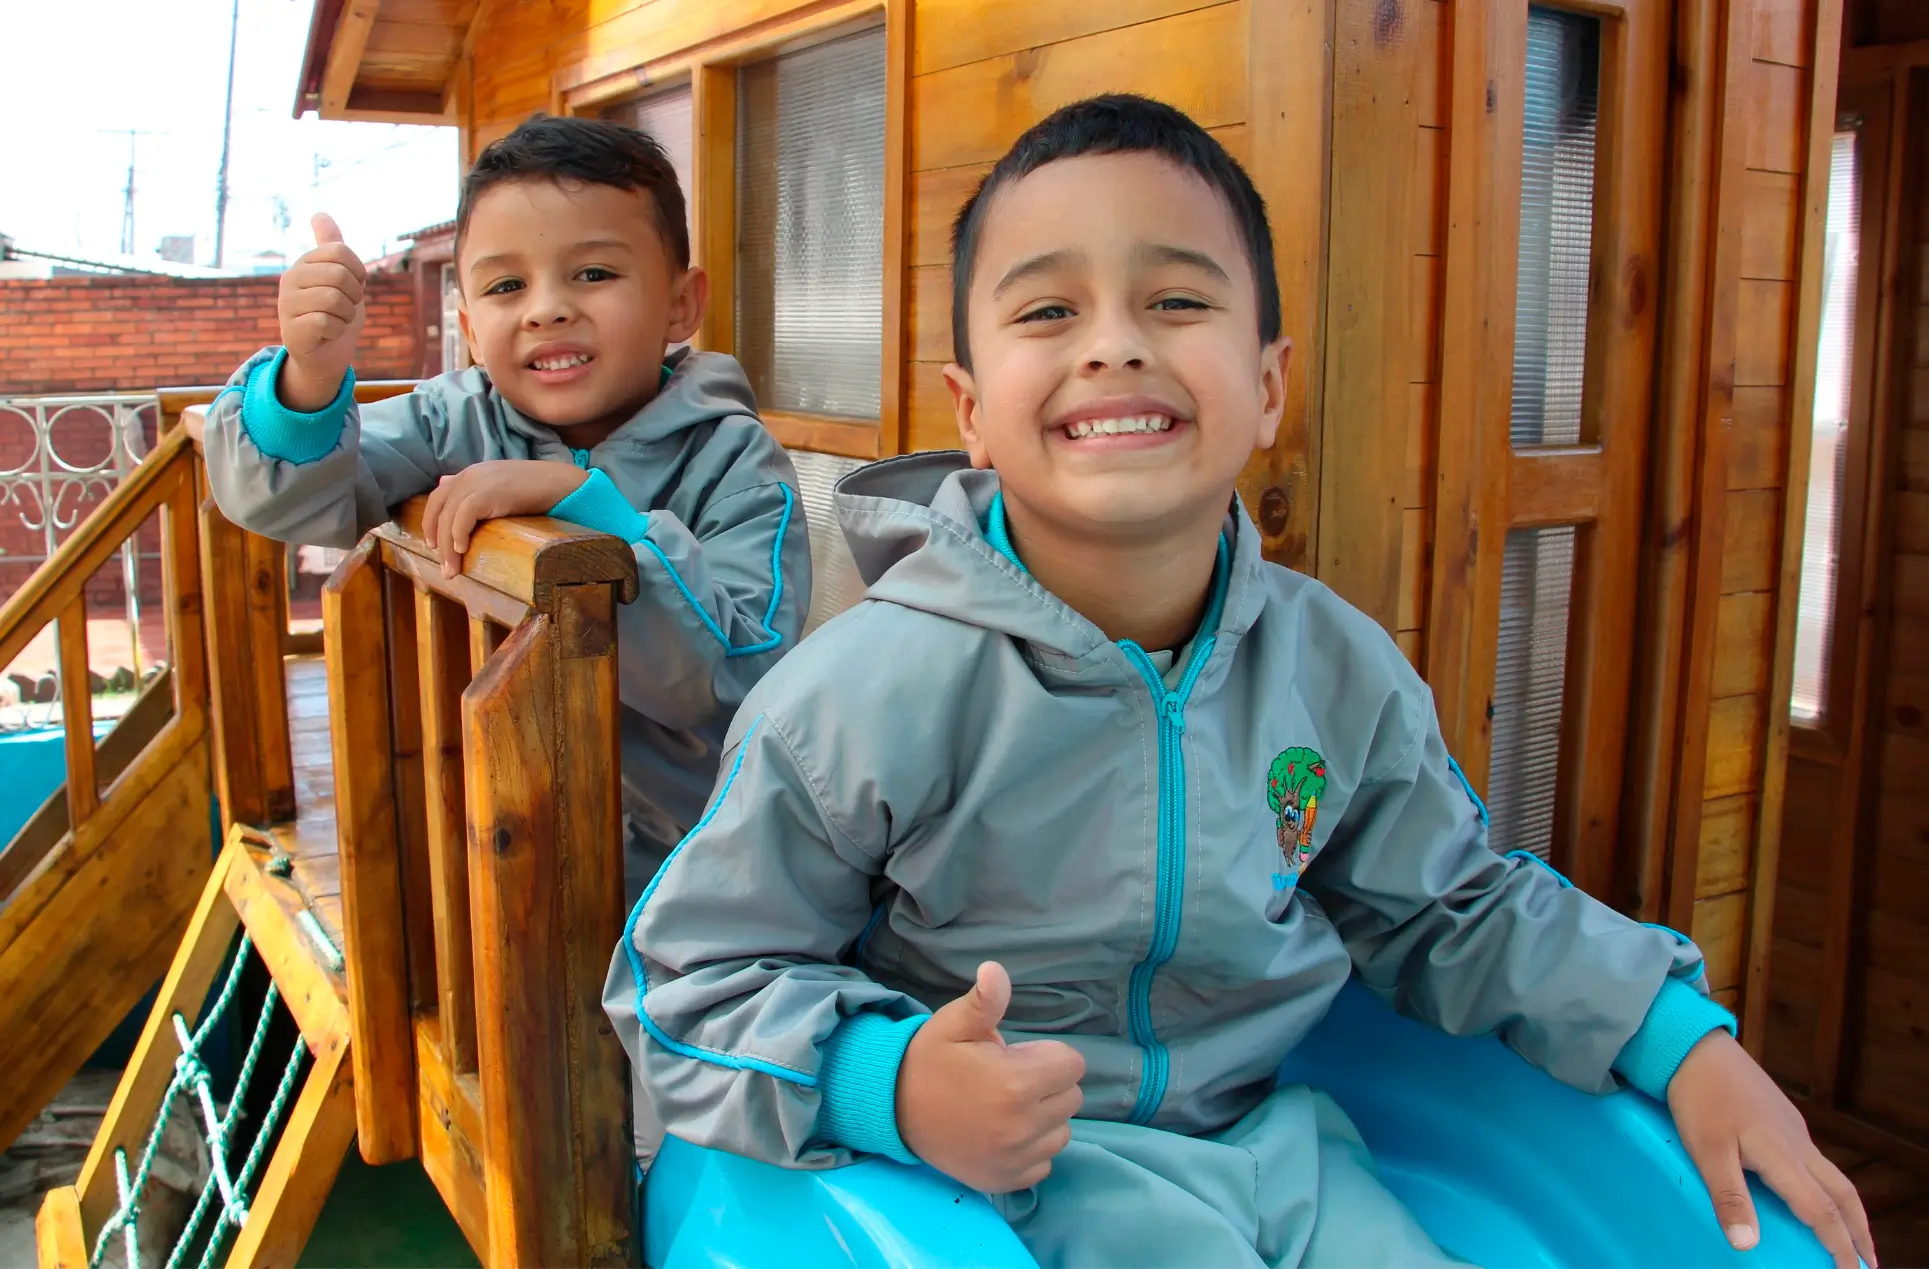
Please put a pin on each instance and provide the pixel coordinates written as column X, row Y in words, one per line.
column 1034, row 265
column 1164, row 253
column 591, row 244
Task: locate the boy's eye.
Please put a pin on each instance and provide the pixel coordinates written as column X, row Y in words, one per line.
column 597, row 273
column 1045, row 313
column 504, row 287
column 1178, row 303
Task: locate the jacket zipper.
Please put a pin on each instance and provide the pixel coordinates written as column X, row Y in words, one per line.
column 1169, row 896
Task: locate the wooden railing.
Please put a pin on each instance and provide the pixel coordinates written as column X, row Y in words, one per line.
column 97, row 887
column 475, row 739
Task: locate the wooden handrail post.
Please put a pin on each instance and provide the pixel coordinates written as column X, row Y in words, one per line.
column 356, row 635
column 255, row 769
column 540, row 735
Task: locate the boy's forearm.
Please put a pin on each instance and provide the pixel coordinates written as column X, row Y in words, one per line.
column 304, row 390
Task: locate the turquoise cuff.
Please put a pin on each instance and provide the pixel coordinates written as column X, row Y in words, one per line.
column 286, row 434
column 595, row 504
column 1677, row 1020
column 857, row 1081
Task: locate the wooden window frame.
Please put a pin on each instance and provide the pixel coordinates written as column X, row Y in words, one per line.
column 711, row 67
column 1830, row 738
column 1485, row 486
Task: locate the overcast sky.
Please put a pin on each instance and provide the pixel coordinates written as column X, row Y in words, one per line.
column 74, row 74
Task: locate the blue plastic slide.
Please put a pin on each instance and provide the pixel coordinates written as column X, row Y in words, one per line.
column 1503, row 1165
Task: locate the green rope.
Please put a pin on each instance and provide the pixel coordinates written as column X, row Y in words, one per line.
column 190, row 1073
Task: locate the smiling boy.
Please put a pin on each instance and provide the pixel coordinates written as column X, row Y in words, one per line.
column 1053, row 929
column 574, row 263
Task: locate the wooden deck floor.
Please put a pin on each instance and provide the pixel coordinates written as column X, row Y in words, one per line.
column 310, row 840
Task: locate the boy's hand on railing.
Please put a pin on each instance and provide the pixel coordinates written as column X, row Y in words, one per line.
column 321, row 311
column 1732, row 1116
column 990, row 1114
column 499, row 487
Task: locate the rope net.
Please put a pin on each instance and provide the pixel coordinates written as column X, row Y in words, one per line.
column 226, row 1191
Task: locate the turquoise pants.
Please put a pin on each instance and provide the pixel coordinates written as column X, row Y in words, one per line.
column 1289, row 1185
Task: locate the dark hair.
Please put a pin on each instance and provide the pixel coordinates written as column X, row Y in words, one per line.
column 594, row 151
column 1118, row 123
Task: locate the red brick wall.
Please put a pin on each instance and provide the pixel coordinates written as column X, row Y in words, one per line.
column 135, row 334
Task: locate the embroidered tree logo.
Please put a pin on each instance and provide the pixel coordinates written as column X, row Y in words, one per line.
column 1293, row 789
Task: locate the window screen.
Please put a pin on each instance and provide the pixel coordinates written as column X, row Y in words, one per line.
column 1556, row 226
column 834, row 584
column 1834, row 362
column 1536, row 586
column 665, row 118
column 810, row 227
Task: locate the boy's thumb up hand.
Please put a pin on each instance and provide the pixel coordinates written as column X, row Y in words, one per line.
column 990, row 1114
column 976, row 1014
column 321, row 311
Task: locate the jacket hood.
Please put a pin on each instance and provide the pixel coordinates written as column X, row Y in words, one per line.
column 915, row 525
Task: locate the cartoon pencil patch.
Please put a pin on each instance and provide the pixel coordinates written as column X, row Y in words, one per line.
column 1293, row 789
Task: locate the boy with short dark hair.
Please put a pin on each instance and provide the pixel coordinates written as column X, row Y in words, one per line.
column 1036, row 864
column 575, row 272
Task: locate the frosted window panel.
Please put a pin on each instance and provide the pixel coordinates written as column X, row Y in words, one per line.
column 1834, row 373
column 835, row 584
column 1556, row 226
column 810, row 227
column 1530, row 677
column 665, row 118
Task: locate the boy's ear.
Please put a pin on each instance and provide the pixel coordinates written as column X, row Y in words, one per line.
column 468, row 333
column 964, row 403
column 689, row 298
column 1275, row 364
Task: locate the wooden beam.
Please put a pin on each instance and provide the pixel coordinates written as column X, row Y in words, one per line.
column 1825, row 60
column 894, row 388
column 823, row 435
column 524, row 557
column 345, row 54
column 77, row 712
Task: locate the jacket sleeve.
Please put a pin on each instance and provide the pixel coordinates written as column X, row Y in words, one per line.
column 721, row 595
column 326, row 478
column 1474, row 943
column 747, row 1026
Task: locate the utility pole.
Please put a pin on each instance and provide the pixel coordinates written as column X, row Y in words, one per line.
column 127, row 205
column 227, row 134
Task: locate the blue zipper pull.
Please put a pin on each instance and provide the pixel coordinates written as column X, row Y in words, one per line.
column 580, row 457
column 1173, row 709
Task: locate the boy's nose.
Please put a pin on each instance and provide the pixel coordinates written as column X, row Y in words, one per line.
column 1115, row 343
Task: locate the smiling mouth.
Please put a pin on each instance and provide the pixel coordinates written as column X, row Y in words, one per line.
column 1128, row 425
column 563, row 361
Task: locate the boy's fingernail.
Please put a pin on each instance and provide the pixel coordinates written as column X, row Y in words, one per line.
column 1742, row 1237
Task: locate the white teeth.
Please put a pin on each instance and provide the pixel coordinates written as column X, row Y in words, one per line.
column 560, row 363
column 1112, row 427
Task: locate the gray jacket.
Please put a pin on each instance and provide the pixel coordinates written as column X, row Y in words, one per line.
column 724, row 567
column 1179, row 866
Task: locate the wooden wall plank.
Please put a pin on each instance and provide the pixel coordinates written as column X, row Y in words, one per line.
column 1727, row 831
column 953, row 32
column 1775, row 121
column 1718, row 930
column 1758, row 439
column 1762, row 336
column 1734, row 746
column 932, row 424
column 1770, row 204
column 972, row 113
column 1742, row 629
column 1782, row 31
column 1748, row 552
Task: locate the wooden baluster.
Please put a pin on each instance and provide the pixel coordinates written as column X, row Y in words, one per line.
column 546, row 893
column 181, row 582
column 356, row 636
column 77, row 713
column 417, row 910
column 267, row 586
column 238, row 778
column 485, row 636
column 445, row 672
